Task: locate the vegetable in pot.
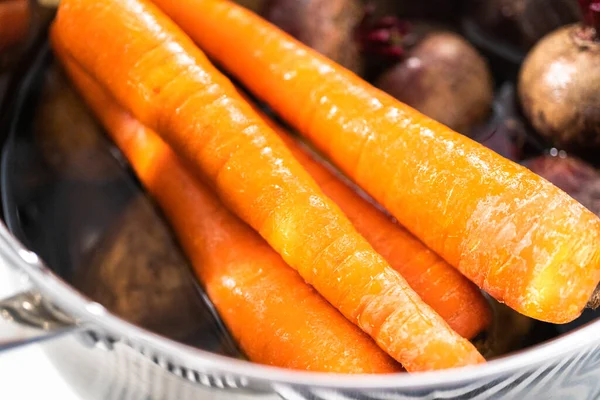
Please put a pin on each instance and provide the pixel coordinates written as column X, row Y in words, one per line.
column 70, row 140
column 579, row 179
column 249, row 284
column 325, row 25
column 293, row 215
column 559, row 84
column 139, row 272
column 462, row 306
column 445, row 78
column 412, row 166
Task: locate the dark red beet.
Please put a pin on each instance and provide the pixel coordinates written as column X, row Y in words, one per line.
column 385, row 41
column 559, row 81
column 385, row 37
column 591, row 18
column 445, row 78
column 327, row 26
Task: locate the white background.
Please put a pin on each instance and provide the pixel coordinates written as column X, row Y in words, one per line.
column 26, row 374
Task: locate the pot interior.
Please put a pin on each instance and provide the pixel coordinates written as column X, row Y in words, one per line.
column 69, row 195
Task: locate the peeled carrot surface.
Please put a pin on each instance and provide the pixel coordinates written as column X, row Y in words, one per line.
column 520, row 238
column 248, row 282
column 157, row 73
column 446, row 290
column 14, row 21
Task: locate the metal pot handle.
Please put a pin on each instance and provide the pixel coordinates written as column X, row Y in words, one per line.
column 25, row 316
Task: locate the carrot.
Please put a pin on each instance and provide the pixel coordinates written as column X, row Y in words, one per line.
column 157, row 73
column 514, row 234
column 248, row 282
column 14, row 21
column 446, row 290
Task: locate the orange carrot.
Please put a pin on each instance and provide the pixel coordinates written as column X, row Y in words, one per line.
column 514, row 234
column 446, row 290
column 14, row 21
column 248, row 282
column 156, row 72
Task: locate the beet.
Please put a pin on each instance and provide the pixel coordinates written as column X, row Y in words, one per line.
column 445, row 78
column 327, row 26
column 558, row 85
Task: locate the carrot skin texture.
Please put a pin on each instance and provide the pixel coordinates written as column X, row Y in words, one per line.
column 248, row 282
column 446, row 290
column 157, row 73
column 521, row 239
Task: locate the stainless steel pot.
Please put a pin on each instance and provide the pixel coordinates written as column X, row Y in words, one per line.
column 105, row 357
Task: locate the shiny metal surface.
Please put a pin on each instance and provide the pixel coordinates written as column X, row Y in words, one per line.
column 27, row 318
column 580, row 349
column 108, row 358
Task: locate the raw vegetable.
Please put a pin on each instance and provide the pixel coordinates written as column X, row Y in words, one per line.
column 520, row 238
column 448, row 292
column 157, row 73
column 445, row 78
column 250, row 285
column 69, row 138
column 139, row 272
column 325, row 25
column 579, row 179
column 559, row 81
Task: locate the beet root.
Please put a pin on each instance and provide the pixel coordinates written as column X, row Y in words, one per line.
column 558, row 88
column 327, row 26
column 445, row 78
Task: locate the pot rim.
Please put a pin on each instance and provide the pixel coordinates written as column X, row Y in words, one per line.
column 94, row 315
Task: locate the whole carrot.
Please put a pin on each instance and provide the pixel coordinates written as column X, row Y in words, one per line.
column 152, row 68
column 514, row 234
column 446, row 290
column 250, row 285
